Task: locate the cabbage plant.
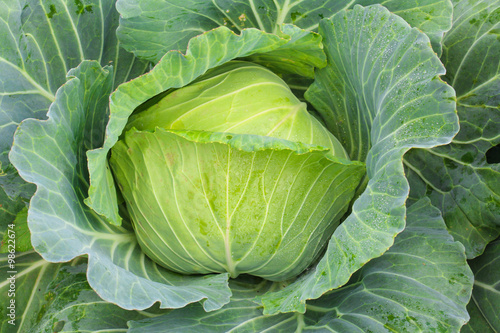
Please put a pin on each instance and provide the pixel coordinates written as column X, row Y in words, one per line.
column 279, row 166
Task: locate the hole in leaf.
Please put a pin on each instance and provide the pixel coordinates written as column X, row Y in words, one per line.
column 493, row 155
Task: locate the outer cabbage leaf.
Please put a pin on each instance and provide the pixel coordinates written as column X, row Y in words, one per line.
column 422, row 283
column 8, row 210
column 459, row 178
column 300, row 56
column 55, row 297
column 431, row 16
column 379, row 95
column 477, row 322
column 33, row 275
column 483, row 307
column 52, row 154
column 151, row 28
column 69, row 304
column 17, row 236
column 39, row 42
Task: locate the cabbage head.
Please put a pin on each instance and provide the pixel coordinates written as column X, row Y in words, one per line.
column 232, row 174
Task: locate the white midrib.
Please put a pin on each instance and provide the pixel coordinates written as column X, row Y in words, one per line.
column 227, row 244
column 293, row 112
column 32, row 295
column 487, row 287
column 26, row 271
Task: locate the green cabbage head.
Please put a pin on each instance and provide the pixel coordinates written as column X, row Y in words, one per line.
column 231, row 173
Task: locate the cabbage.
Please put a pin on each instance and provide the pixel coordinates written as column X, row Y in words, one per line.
column 277, row 166
column 232, row 174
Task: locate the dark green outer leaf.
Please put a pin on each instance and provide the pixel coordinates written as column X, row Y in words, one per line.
column 240, row 315
column 485, row 301
column 151, row 28
column 17, row 236
column 300, row 56
column 39, row 42
column 13, row 185
column 55, row 297
column 379, row 95
column 71, row 305
column 8, row 210
column 457, row 177
column 51, row 154
column 477, row 322
column 33, row 275
column 432, row 17
column 421, row 284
